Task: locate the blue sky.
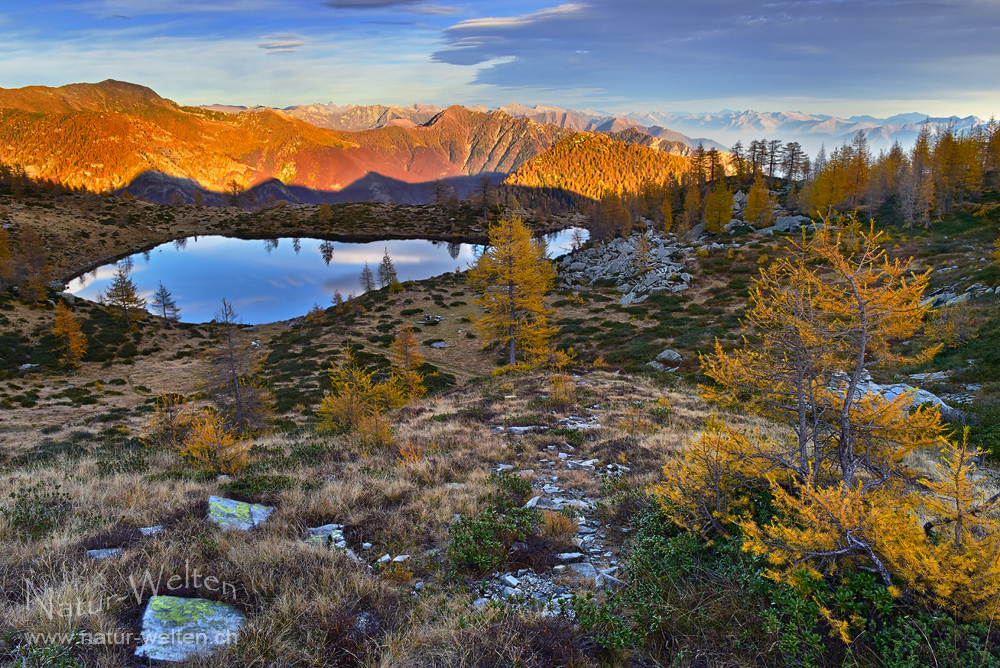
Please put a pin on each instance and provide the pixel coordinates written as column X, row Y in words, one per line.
column 838, row 57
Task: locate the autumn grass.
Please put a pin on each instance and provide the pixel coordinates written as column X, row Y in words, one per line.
column 302, row 602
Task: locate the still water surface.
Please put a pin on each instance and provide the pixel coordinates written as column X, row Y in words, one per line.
column 277, row 279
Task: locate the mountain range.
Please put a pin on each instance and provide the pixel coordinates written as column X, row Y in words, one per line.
column 811, row 131
column 718, row 130
column 114, row 135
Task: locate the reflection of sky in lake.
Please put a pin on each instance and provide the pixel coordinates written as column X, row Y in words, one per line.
column 277, row 279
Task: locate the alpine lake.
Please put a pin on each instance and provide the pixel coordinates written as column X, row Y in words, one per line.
column 269, row 280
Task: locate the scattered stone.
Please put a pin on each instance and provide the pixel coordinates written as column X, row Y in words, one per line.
column 230, row 514
column 790, row 223
column 526, row 430
column 440, row 344
column 669, row 355
column 151, row 531
column 511, row 581
column 178, row 629
column 584, row 570
column 480, row 603
column 400, row 558
column 572, row 557
column 329, row 536
column 103, row 553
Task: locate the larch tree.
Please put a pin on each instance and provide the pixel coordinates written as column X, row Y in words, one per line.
column 164, row 305
column 718, row 207
column 692, row 204
column 511, row 278
column 123, row 296
column 367, row 279
column 406, row 358
column 759, row 209
column 667, row 211
column 386, row 270
column 67, row 327
column 234, row 378
column 234, row 192
column 839, row 484
column 359, row 402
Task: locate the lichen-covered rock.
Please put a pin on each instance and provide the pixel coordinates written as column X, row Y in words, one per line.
column 230, row 514
column 669, row 355
column 177, row 629
column 328, row 535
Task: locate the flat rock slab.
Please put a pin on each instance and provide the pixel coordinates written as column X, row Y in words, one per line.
column 230, row 514
column 177, row 629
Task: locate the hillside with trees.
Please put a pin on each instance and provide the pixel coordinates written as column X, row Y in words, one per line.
column 593, row 165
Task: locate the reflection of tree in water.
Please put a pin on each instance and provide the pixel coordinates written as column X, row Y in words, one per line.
column 454, row 248
column 326, row 250
column 296, row 245
column 146, row 255
column 180, row 244
column 126, row 264
column 270, row 245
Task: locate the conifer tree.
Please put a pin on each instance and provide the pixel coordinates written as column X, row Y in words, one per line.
column 759, row 209
column 819, row 319
column 359, row 402
column 67, row 328
column 692, row 204
column 234, row 380
column 718, row 207
column 164, row 305
column 511, row 278
column 406, row 358
column 367, row 279
column 386, row 270
column 123, row 296
column 667, row 211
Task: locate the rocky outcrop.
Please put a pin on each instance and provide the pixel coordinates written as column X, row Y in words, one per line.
column 616, row 260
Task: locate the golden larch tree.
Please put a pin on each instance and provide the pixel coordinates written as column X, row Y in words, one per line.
column 692, row 204
column 839, row 482
column 667, row 211
column 718, row 207
column 511, row 278
column 406, row 358
column 759, row 209
column 67, row 327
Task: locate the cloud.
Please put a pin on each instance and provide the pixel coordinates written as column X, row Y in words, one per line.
column 514, row 21
column 656, row 51
column 367, row 4
column 435, row 10
column 282, row 43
